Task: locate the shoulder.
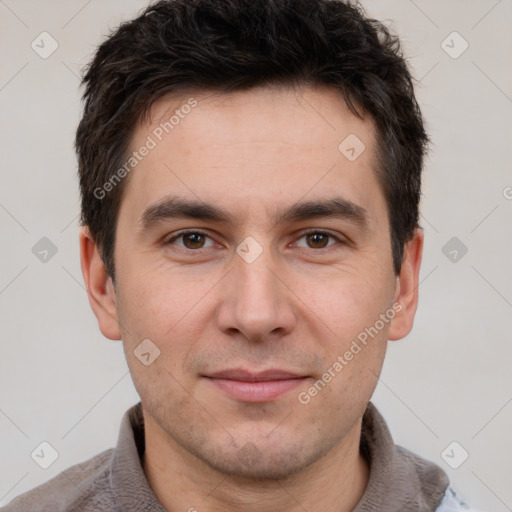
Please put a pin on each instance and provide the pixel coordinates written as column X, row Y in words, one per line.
column 84, row 486
column 451, row 502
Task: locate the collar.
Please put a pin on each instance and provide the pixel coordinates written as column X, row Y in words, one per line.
column 399, row 480
column 129, row 484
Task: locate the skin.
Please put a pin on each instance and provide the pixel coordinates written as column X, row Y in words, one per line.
column 297, row 307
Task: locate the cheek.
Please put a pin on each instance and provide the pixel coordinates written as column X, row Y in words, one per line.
column 348, row 303
column 164, row 307
column 355, row 344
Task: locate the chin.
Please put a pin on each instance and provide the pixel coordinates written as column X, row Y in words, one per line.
column 258, row 461
column 250, row 464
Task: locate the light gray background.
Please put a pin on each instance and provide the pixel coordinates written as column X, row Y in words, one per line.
column 450, row 380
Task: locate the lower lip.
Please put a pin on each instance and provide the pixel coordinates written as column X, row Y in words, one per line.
column 261, row 391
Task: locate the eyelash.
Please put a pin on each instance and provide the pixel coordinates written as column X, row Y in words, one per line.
column 181, row 234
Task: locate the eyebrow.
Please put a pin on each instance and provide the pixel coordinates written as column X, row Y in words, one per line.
column 178, row 207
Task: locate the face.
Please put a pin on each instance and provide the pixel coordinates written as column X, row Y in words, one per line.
column 261, row 280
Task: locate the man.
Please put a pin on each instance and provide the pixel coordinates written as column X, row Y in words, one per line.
column 250, row 175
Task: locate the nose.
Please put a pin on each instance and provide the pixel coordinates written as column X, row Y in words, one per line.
column 257, row 301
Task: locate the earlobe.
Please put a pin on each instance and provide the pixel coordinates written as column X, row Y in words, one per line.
column 406, row 289
column 100, row 289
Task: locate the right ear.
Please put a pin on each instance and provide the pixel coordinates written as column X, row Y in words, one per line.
column 100, row 288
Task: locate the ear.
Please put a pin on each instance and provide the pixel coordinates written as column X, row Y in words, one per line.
column 406, row 289
column 100, row 289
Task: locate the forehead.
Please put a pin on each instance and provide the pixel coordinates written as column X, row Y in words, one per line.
column 252, row 148
column 256, row 114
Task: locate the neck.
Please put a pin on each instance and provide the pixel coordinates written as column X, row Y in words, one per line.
column 182, row 482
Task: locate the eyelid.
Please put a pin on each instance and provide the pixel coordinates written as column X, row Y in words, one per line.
column 177, row 235
column 301, row 234
column 338, row 237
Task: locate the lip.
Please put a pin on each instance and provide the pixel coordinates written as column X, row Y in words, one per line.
column 248, row 376
column 249, row 386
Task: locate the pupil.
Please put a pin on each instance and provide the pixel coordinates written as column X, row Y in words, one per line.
column 317, row 238
column 195, row 239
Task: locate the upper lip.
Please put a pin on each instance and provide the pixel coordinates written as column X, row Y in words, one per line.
column 248, row 376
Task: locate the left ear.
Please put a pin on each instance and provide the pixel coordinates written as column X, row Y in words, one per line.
column 406, row 290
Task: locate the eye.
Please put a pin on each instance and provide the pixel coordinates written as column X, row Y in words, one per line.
column 195, row 240
column 191, row 240
column 319, row 239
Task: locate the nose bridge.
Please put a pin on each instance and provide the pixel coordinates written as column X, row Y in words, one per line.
column 256, row 279
column 256, row 288
column 259, row 303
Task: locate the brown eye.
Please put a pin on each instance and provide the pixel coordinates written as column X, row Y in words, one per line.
column 318, row 240
column 192, row 240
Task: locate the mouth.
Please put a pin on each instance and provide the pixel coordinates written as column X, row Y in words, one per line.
column 246, row 386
